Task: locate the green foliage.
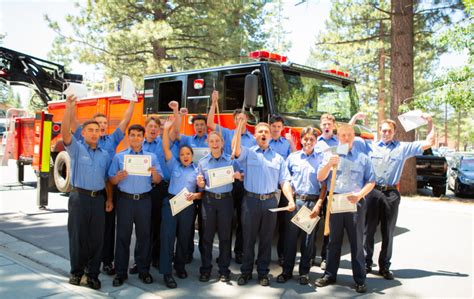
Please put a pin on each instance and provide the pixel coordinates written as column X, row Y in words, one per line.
column 353, row 37
column 8, row 97
column 145, row 37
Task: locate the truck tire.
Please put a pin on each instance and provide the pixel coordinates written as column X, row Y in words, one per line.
column 62, row 172
column 439, row 190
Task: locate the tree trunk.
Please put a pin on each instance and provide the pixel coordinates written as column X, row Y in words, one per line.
column 401, row 76
column 381, row 96
column 458, row 132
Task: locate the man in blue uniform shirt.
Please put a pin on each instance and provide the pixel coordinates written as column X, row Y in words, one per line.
column 89, row 164
column 264, row 171
column 355, row 177
column 283, row 146
column 109, row 143
column 303, row 167
column 388, row 157
column 134, row 206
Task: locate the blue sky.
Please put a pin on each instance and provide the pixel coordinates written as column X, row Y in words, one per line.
column 27, row 32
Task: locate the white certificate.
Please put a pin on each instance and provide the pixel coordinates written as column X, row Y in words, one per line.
column 340, row 204
column 220, row 176
column 179, row 202
column 127, row 89
column 303, row 221
column 76, row 89
column 199, row 153
column 137, row 164
column 412, row 120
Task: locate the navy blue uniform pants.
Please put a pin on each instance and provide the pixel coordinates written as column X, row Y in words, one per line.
column 198, row 216
column 108, row 249
column 257, row 221
column 174, row 228
column 282, row 223
column 353, row 223
column 130, row 212
column 292, row 234
column 237, row 194
column 85, row 226
column 382, row 207
column 216, row 216
column 158, row 194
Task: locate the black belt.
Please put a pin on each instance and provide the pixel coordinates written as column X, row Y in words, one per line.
column 91, row 193
column 386, row 187
column 218, row 195
column 260, row 196
column 134, row 196
column 307, row 197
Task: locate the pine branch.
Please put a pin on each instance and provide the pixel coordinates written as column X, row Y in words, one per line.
column 354, row 41
column 382, row 10
column 454, row 6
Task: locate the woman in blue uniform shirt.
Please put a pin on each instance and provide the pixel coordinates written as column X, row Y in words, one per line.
column 217, row 208
column 183, row 175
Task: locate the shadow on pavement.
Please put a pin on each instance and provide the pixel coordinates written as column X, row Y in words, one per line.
column 418, row 273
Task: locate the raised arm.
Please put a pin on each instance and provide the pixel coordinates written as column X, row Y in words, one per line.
column 166, row 139
column 357, row 116
column 127, row 117
column 68, row 119
column 430, row 138
column 174, row 106
column 212, row 110
column 236, row 140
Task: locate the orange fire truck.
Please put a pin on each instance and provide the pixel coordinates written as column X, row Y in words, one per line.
column 300, row 94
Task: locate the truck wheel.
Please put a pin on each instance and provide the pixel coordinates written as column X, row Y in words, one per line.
column 439, row 190
column 62, row 172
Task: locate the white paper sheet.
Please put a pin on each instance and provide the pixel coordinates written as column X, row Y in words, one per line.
column 303, row 221
column 340, row 204
column 220, row 176
column 412, row 120
column 179, row 202
column 127, row 89
column 77, row 89
column 199, row 153
column 137, row 164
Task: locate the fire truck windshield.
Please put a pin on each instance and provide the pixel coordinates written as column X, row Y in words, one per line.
column 309, row 95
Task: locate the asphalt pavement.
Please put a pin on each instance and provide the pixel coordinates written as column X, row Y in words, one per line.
column 433, row 255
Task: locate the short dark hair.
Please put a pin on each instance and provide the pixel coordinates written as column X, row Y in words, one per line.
column 238, row 111
column 136, row 127
column 90, row 122
column 310, row 131
column 99, row 115
column 276, row 118
column 186, row 146
column 154, row 119
column 199, row 117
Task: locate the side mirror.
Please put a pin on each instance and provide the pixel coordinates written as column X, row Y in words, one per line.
column 251, row 90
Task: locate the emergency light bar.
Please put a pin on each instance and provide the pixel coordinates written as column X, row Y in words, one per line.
column 338, row 73
column 265, row 55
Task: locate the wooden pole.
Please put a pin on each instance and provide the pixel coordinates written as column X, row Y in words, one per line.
column 328, row 207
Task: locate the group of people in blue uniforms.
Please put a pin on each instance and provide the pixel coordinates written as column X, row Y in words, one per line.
column 268, row 172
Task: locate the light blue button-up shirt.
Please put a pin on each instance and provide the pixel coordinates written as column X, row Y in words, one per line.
column 388, row 159
column 264, row 169
column 181, row 176
column 193, row 141
column 133, row 184
column 156, row 148
column 106, row 142
column 88, row 166
column 358, row 143
column 209, row 162
column 248, row 140
column 353, row 172
column 281, row 146
column 304, row 170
